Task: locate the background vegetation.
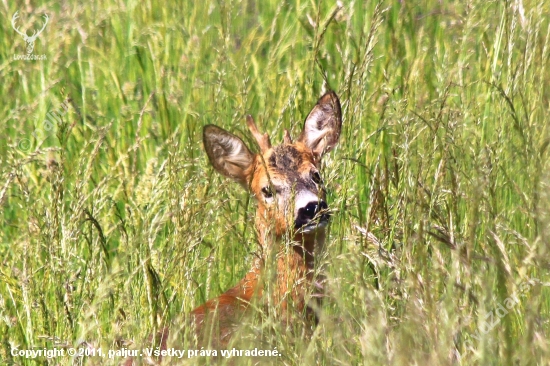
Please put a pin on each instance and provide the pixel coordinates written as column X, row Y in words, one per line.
column 113, row 224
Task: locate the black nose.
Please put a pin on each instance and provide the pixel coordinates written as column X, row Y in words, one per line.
column 307, row 213
column 313, row 208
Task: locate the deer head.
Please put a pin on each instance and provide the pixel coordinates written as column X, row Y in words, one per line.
column 284, row 179
column 29, row 39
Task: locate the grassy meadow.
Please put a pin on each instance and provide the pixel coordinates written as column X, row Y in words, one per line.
column 113, row 224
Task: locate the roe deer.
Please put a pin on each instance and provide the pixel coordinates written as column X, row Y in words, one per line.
column 286, row 183
column 288, row 188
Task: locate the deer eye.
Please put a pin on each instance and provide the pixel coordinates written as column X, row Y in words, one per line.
column 316, row 178
column 267, row 192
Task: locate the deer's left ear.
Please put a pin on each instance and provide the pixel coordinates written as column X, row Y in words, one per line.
column 228, row 154
column 323, row 125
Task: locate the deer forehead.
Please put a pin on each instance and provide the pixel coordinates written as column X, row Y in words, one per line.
column 288, row 164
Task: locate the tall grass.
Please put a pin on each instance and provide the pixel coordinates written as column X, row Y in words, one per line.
column 112, row 224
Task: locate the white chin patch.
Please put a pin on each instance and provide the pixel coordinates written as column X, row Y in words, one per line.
column 313, row 227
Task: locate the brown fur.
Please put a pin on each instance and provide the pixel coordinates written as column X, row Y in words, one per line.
column 287, row 172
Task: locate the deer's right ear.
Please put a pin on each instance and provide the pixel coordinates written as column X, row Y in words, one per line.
column 323, row 125
column 227, row 153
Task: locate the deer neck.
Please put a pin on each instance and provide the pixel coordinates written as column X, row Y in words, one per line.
column 288, row 266
column 294, row 263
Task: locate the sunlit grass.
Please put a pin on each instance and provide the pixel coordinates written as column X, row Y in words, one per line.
column 113, row 225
